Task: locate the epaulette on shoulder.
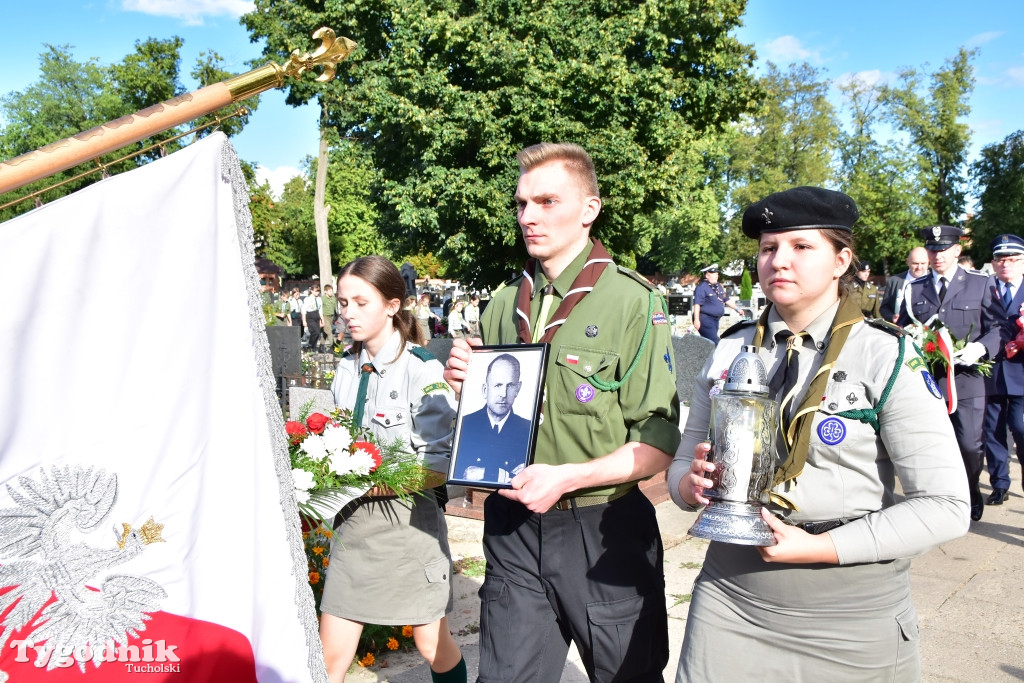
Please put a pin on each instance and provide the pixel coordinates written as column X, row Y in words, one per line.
column 421, row 353
column 878, row 323
column 923, row 278
column 507, row 283
column 737, row 327
column 636, row 276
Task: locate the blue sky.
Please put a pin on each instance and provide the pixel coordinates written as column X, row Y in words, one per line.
column 870, row 39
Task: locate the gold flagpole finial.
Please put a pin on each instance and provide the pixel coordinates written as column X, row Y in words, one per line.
column 331, row 52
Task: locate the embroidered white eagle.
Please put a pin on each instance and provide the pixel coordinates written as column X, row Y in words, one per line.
column 41, row 559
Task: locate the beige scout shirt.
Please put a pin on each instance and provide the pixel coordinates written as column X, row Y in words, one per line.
column 850, row 470
column 406, row 398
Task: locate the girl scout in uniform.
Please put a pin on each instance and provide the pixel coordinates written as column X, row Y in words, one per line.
column 831, row 601
column 390, row 563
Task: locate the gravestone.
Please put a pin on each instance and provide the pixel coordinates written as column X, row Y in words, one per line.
column 691, row 352
column 285, row 356
column 440, row 347
column 298, row 397
column 680, row 304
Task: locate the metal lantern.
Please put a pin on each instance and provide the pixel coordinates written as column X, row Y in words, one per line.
column 743, row 427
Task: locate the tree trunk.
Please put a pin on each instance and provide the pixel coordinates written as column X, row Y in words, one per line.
column 323, row 243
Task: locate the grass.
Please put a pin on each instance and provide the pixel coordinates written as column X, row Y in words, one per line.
column 691, row 565
column 473, row 567
column 680, row 599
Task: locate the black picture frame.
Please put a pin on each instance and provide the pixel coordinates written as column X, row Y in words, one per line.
column 482, row 457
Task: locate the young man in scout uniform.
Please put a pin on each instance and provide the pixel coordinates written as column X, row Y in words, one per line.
column 960, row 299
column 573, row 548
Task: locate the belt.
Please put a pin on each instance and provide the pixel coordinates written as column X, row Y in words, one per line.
column 816, row 528
column 569, row 502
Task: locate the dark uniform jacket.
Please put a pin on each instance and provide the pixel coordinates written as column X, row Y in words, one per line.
column 968, row 313
column 1008, row 373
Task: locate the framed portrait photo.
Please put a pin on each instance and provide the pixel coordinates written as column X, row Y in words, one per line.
column 499, row 412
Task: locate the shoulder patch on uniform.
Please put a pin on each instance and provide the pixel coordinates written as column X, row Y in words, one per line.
column 632, row 274
column 916, row 363
column 737, row 327
column 879, row 324
column 659, row 319
column 436, row 386
column 422, row 353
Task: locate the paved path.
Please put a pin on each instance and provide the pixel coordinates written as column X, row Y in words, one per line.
column 969, row 595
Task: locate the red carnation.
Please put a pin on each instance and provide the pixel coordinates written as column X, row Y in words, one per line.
column 296, row 431
column 369, row 448
column 316, row 422
column 930, row 347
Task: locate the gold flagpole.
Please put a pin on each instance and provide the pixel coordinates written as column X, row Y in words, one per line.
column 64, row 154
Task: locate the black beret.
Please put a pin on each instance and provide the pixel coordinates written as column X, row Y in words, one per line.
column 1007, row 245
column 798, row 209
column 940, row 237
column 863, row 265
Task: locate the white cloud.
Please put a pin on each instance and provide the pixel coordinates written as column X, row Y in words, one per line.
column 868, row 78
column 1016, row 75
column 190, row 11
column 276, row 177
column 786, row 49
column 982, row 38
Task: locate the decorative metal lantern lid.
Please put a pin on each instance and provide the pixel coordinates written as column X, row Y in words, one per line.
column 747, row 373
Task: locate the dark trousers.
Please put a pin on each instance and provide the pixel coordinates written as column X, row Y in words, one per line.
column 709, row 327
column 967, row 424
column 590, row 574
column 1002, row 412
column 313, row 325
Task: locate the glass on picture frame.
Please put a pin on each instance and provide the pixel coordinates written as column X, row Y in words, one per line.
column 499, row 413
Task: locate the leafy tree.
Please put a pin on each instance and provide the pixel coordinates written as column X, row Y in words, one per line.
column 998, row 175
column 444, row 93
column 71, row 97
column 746, row 287
column 789, row 140
column 934, row 122
column 882, row 179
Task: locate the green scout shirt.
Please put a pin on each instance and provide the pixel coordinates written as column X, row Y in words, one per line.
column 601, row 336
column 329, row 307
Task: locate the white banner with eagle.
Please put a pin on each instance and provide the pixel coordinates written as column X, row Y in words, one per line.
column 147, row 521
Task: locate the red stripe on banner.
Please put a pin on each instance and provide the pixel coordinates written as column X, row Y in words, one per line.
column 945, row 343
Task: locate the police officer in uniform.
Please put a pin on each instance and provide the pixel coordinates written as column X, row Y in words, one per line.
column 1004, row 404
column 831, row 600
column 573, row 548
column 962, row 300
column 709, row 302
column 865, row 292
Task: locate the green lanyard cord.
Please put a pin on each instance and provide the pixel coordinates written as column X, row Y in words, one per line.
column 870, row 415
column 614, row 386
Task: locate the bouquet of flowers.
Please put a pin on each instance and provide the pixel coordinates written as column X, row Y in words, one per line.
column 940, row 348
column 334, row 461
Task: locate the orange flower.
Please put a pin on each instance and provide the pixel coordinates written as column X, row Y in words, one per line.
column 326, row 562
column 314, row 577
column 392, row 644
column 368, row 660
column 326, row 532
column 407, row 631
column 318, row 550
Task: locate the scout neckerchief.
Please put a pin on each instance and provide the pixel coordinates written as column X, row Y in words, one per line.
column 798, row 436
column 597, row 261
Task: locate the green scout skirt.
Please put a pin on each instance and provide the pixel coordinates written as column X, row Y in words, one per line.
column 751, row 620
column 390, row 563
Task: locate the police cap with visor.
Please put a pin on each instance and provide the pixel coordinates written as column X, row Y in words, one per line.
column 800, row 208
column 940, row 237
column 1007, row 245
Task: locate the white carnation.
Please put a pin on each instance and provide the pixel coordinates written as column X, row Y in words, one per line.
column 301, row 496
column 361, row 462
column 336, row 439
column 303, row 480
column 314, row 447
column 341, row 463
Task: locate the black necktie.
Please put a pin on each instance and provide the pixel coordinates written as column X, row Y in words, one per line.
column 786, row 376
column 942, row 289
column 357, row 409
